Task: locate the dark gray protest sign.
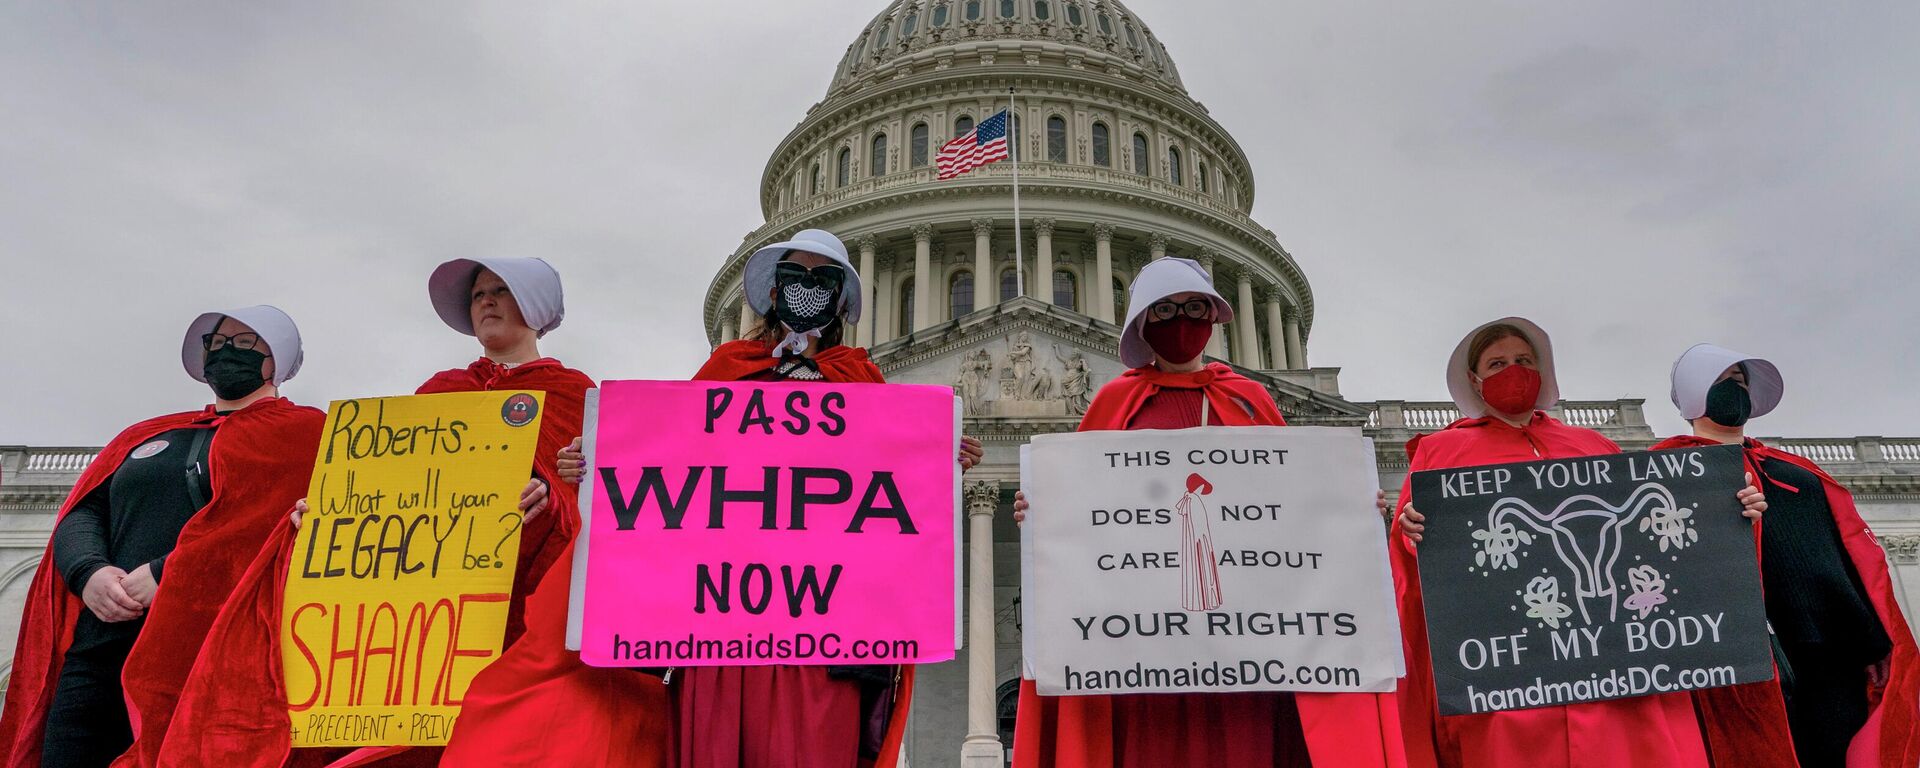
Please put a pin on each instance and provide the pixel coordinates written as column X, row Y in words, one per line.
column 1602, row 577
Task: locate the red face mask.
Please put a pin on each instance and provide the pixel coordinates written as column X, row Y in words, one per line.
column 1178, row 339
column 1515, row 389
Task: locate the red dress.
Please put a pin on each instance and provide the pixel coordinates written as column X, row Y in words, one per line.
column 1647, row 732
column 1223, row 730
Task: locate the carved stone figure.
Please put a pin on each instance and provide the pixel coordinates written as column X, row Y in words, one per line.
column 976, row 376
column 1020, row 362
column 1077, row 383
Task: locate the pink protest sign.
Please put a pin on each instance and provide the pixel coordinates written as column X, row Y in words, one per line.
column 742, row 523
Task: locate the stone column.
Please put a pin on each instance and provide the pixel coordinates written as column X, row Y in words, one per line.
column 1276, row 331
column 727, row 332
column 1246, row 324
column 1041, row 286
column 922, row 276
column 865, row 333
column 748, row 320
column 1216, row 346
column 1103, row 272
column 986, row 284
column 1296, row 354
column 1158, row 245
column 887, row 304
column 982, row 747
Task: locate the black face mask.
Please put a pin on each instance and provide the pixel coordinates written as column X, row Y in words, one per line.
column 1728, row 404
column 234, row 373
column 807, row 299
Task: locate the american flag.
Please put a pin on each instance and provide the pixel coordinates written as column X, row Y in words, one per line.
column 986, row 143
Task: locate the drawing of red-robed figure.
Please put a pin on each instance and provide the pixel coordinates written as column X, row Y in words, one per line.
column 1199, row 567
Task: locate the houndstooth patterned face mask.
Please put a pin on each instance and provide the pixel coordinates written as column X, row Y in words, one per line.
column 807, row 299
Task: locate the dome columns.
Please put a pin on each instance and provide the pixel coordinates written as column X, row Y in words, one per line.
column 922, row 276
column 869, row 278
column 1041, row 286
column 986, row 290
column 1103, row 271
column 1246, row 324
column 1296, row 352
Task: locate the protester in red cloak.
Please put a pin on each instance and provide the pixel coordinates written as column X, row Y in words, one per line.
column 196, row 492
column 720, row 717
column 1847, row 681
column 1502, row 378
column 236, row 702
column 1170, row 316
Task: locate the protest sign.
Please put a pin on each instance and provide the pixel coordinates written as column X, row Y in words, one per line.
column 1602, row 577
column 742, row 523
column 397, row 590
column 1215, row 559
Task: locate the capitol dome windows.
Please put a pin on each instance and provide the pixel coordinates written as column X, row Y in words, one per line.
column 1073, row 15
column 1056, row 139
column 1140, row 154
column 1102, row 151
column 1173, row 166
column 1106, row 24
column 960, row 294
column 843, row 168
column 911, row 24
column 880, row 37
column 1066, row 291
column 1042, row 10
column 962, row 125
column 917, row 141
column 1133, row 41
column 1007, row 9
column 973, row 10
column 1201, row 176
column 939, row 16
column 814, row 188
column 879, row 165
column 1009, row 284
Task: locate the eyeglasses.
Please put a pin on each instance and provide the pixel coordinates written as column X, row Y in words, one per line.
column 1198, row 309
column 214, row 341
column 823, row 276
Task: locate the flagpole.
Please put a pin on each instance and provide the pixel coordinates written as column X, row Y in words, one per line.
column 1019, row 257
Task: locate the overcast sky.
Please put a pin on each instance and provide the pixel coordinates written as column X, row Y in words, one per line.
column 1635, row 176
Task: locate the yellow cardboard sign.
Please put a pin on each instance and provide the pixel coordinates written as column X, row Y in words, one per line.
column 397, row 590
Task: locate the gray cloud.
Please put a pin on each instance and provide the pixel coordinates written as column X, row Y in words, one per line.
column 1636, row 177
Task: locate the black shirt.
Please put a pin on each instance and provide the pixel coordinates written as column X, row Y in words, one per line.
column 1813, row 592
column 133, row 519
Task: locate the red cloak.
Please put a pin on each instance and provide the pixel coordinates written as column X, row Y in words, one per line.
column 1648, row 732
column 587, row 715
column 234, row 709
column 259, row 459
column 543, row 538
column 1746, row 725
column 1341, row 729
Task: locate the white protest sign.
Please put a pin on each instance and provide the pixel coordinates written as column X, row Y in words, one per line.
column 1217, row 559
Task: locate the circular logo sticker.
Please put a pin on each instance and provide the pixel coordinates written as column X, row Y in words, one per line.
column 149, row 449
column 519, row 410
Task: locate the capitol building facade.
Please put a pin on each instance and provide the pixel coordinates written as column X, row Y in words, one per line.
column 1118, row 166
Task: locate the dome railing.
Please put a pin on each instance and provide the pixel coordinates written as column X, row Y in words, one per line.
column 1001, row 173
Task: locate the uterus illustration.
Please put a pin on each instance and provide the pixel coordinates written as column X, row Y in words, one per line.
column 1586, row 533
